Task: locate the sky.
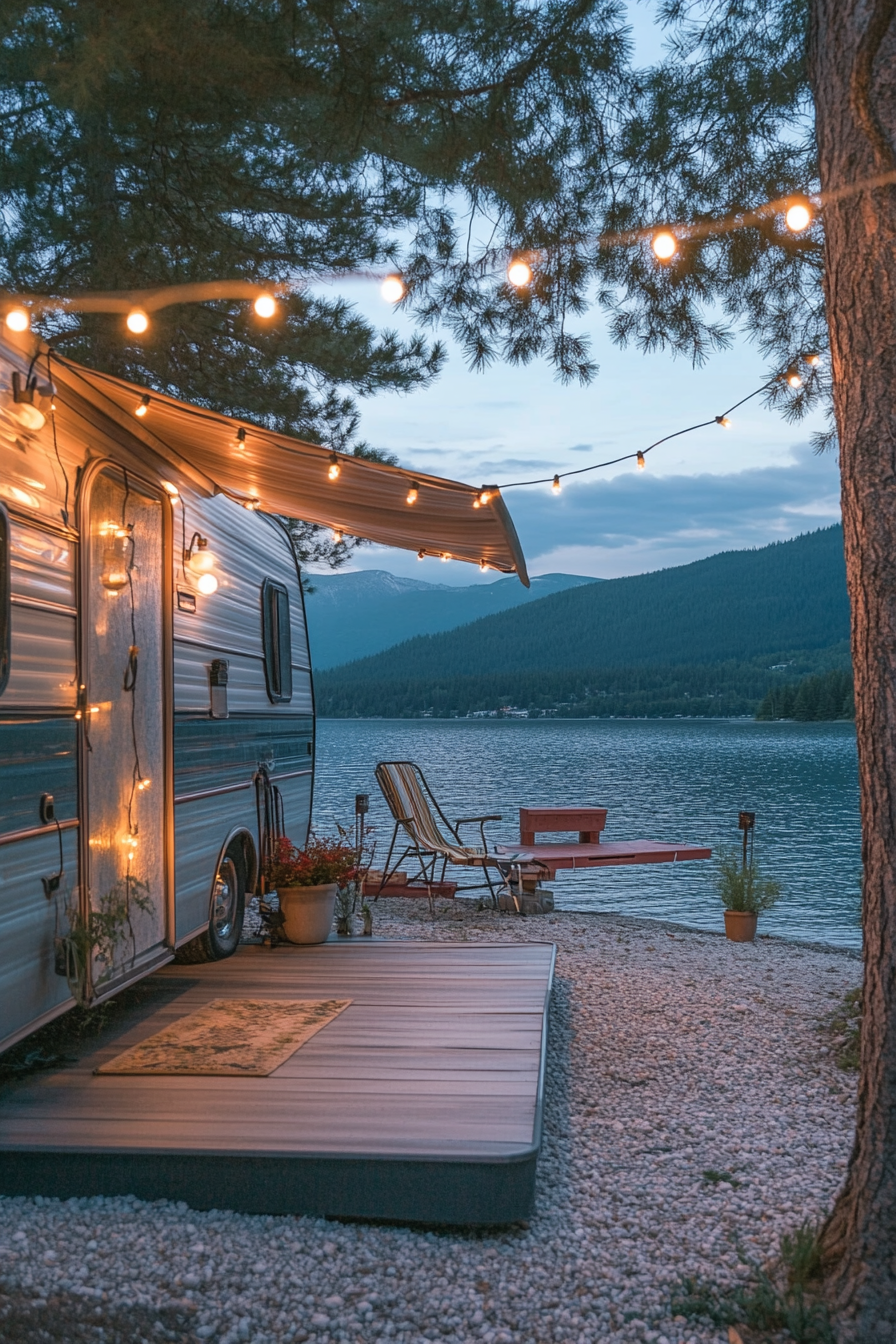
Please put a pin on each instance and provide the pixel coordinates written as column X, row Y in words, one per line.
column 710, row 491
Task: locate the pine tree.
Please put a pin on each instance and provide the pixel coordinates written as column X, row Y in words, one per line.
column 760, row 100
column 186, row 140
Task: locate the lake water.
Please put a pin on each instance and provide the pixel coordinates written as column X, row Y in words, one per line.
column 678, row 780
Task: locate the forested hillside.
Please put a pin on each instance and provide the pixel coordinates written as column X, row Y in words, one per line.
column 738, row 606
column 712, row 638
column 714, row 690
column 812, row 700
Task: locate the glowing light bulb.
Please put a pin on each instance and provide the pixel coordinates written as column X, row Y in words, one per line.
column 798, row 217
column 723, row 421
column 202, row 561
column 28, row 416
column 116, row 553
column 207, row 584
column 137, row 321
column 393, row 288
column 421, row 555
column 446, row 555
column 793, row 378
column 413, row 493
column 813, row 359
column 664, row 245
column 170, row 489
column 334, row 470
column 337, row 536
column 265, row 306
column 241, row 438
column 142, row 405
column 252, row 504
column 519, row 273
column 483, row 566
column 18, row 319
column 555, row 485
column 641, row 461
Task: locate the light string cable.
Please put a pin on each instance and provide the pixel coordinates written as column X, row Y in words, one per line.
column 65, row 513
column 641, row 453
column 129, row 684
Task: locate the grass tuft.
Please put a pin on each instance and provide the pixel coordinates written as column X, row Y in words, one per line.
column 845, row 1029
column 713, row 1177
column 760, row 1303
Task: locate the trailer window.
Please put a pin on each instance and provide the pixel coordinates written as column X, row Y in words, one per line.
column 276, row 640
column 4, row 599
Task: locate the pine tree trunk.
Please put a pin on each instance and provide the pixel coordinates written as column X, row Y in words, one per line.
column 852, row 61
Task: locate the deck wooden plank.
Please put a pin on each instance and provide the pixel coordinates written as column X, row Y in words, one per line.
column 437, row 1059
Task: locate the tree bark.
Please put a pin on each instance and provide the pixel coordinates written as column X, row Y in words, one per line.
column 853, row 75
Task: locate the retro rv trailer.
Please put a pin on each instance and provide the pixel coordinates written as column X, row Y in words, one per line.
column 156, row 703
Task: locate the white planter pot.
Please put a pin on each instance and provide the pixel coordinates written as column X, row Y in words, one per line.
column 308, row 912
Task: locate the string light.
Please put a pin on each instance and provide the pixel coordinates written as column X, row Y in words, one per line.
column 482, row 499
column 393, row 288
column 252, row 504
column 421, row 555
column 412, row 493
column 241, row 437
column 790, row 376
column 812, row 359
column 333, row 473
column 137, row 321
column 265, row 305
column 519, row 273
column 446, row 555
column 170, row 489
column 18, row 319
column 483, row 566
column 337, row 536
column 142, row 405
column 642, row 463
column 664, row 245
column 798, row 217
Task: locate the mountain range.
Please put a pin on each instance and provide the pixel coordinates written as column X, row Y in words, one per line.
column 709, row 637
column 352, row 615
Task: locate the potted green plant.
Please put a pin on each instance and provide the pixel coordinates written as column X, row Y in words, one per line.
column 306, row 880
column 745, row 893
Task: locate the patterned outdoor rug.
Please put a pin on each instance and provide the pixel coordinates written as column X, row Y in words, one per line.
column 248, row 1037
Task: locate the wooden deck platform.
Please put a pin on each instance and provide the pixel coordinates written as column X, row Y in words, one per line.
column 421, row 1102
column 556, row 854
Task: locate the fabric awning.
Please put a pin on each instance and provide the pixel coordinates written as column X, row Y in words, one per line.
column 283, row 475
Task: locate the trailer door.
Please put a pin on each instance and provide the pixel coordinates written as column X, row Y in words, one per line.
column 124, row 718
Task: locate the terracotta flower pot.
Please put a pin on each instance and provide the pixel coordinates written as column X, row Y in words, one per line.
column 740, row 926
column 308, row 912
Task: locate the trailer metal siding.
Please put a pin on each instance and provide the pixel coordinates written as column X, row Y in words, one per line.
column 37, row 756
column 29, row 986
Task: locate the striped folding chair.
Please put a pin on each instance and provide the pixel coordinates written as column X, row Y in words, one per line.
column 430, row 838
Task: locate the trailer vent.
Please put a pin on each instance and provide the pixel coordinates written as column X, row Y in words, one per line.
column 276, row 641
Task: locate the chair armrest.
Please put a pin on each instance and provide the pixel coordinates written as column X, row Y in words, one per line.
column 461, row 821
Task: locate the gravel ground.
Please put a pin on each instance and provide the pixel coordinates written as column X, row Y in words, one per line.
column 694, row 1113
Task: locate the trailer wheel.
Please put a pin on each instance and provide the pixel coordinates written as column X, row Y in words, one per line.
column 228, row 906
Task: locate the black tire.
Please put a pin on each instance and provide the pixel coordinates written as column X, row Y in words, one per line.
column 228, row 908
